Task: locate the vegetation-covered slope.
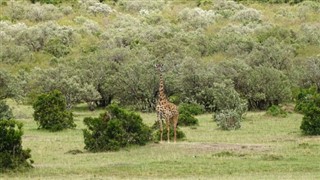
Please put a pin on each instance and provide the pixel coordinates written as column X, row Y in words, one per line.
column 104, row 51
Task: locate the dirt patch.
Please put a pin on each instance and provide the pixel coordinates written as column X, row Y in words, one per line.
column 216, row 147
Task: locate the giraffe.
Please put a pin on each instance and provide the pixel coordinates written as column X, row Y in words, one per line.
column 166, row 109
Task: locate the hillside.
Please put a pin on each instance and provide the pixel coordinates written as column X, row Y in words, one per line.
column 106, row 51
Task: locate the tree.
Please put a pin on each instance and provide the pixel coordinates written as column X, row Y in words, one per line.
column 264, row 86
column 311, row 73
column 68, row 81
column 7, row 89
column 272, row 53
column 229, row 107
column 137, row 85
column 50, row 112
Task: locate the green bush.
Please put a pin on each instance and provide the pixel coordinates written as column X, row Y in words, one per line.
column 302, row 98
column 12, row 156
column 50, row 112
column 115, row 129
column 228, row 119
column 192, row 108
column 187, row 119
column 5, row 111
column 156, row 127
column 275, row 110
column 311, row 121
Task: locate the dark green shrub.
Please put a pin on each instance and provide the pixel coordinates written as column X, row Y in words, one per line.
column 5, row 111
column 47, row 1
column 50, row 112
column 115, row 129
column 187, row 119
column 52, row 1
column 311, row 121
column 192, row 108
column 228, row 119
column 275, row 110
column 156, row 128
column 303, row 97
column 12, row 156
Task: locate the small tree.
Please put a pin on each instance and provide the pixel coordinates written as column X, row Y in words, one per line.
column 115, row 129
column 50, row 112
column 311, row 121
column 229, row 107
column 12, row 156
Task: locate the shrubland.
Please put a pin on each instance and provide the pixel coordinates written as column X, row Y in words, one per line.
column 220, row 56
column 103, row 51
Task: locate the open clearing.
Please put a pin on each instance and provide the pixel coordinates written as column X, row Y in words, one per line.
column 264, row 148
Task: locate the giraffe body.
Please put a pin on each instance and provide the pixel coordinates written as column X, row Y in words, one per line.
column 166, row 110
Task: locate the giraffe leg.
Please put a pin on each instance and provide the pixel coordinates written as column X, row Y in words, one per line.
column 161, row 130
column 175, row 123
column 168, row 130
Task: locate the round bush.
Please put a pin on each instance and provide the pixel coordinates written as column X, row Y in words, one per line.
column 192, row 108
column 12, row 156
column 276, row 111
column 187, row 119
column 228, row 119
column 5, row 111
column 50, row 112
column 115, row 129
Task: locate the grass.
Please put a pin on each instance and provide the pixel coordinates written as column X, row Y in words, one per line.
column 264, row 148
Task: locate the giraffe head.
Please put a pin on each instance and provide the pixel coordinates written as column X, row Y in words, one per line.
column 159, row 67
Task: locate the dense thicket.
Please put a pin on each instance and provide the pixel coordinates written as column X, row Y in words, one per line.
column 103, row 51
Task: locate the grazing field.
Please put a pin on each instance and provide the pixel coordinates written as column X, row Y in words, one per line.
column 264, row 148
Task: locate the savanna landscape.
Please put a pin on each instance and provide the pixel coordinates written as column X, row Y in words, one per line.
column 81, row 94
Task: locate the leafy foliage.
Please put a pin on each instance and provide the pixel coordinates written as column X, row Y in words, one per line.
column 50, row 112
column 12, row 156
column 187, row 119
column 229, row 107
column 303, row 98
column 98, row 51
column 311, row 120
column 264, row 86
column 228, row 119
column 187, row 111
column 192, row 108
column 275, row 110
column 115, row 129
column 5, row 111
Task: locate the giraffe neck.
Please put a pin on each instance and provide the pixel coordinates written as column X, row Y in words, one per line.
column 162, row 95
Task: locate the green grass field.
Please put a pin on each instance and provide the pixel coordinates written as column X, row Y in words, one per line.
column 264, row 148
